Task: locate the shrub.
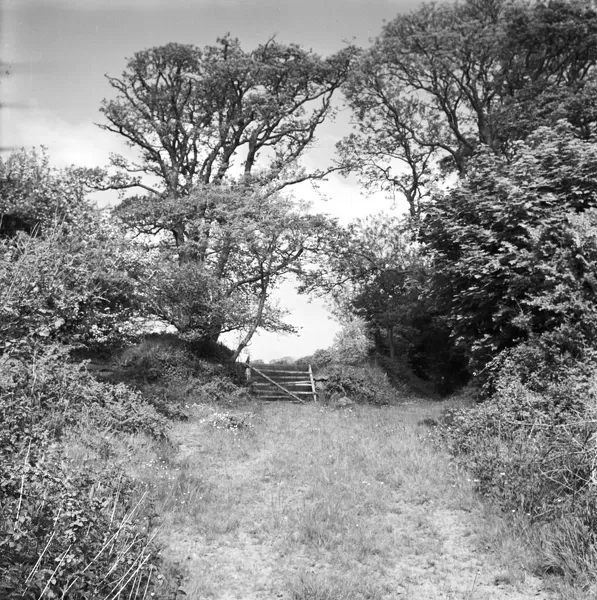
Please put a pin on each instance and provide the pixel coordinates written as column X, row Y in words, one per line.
column 515, row 246
column 531, row 447
column 155, row 359
column 41, row 395
column 33, row 194
column 68, row 534
column 364, row 385
column 78, row 285
column 169, row 374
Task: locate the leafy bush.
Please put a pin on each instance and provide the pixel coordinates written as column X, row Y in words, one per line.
column 539, row 364
column 39, row 397
column 515, row 246
column 33, row 194
column 69, row 534
column 531, row 447
column 65, row 531
column 77, row 285
column 156, row 359
column 169, row 374
column 364, row 385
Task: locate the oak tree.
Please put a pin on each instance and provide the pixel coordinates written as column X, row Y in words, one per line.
column 198, row 115
column 240, row 243
column 219, row 132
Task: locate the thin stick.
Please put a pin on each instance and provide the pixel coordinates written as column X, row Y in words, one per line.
column 54, row 572
column 41, row 556
column 127, row 581
column 22, row 485
column 148, row 580
column 116, row 497
column 107, row 543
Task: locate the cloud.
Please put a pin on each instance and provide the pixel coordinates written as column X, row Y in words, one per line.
column 82, row 144
column 316, row 326
column 92, row 5
column 343, row 197
column 79, row 144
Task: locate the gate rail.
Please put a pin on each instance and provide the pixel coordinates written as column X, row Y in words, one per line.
column 302, row 378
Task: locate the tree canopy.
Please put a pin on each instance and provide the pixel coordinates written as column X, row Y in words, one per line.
column 482, row 116
column 197, row 115
column 443, row 81
column 219, row 131
column 513, row 245
column 241, row 244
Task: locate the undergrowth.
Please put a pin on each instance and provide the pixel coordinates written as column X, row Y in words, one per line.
column 69, row 530
column 361, row 384
column 171, row 376
column 531, row 445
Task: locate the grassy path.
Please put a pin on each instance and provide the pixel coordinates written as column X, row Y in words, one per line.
column 310, row 503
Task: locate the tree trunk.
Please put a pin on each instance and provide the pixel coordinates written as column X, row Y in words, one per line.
column 391, row 342
column 256, row 321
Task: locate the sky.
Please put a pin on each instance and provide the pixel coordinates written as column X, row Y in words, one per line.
column 57, row 53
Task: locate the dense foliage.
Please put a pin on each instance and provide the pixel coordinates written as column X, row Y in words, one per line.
column 240, row 243
column 444, row 81
column 482, row 116
column 171, row 374
column 514, row 246
column 77, row 284
column 67, row 529
column 34, row 195
column 219, row 131
column 531, row 447
column 69, row 279
column 362, row 385
column 192, row 112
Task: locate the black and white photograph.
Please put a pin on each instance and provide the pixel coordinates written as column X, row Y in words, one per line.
column 298, row 300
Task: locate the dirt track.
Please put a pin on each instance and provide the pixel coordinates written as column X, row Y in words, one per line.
column 317, row 504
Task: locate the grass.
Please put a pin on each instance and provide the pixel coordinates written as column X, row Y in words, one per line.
column 306, row 502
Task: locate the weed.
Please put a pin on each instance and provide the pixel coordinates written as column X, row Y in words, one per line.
column 323, row 586
column 314, row 503
column 71, row 534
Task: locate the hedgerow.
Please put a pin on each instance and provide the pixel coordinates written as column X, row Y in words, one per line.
column 363, row 385
column 169, row 374
column 531, row 447
column 68, row 531
column 71, row 534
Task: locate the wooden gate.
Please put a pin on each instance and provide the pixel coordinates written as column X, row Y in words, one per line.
column 282, row 382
